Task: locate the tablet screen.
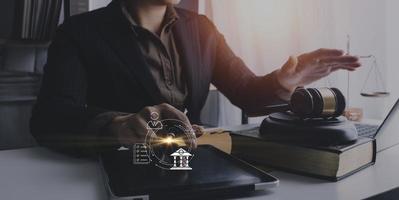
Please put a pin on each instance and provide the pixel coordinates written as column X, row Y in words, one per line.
column 212, row 170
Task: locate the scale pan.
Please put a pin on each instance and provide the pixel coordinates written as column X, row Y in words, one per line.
column 375, row 94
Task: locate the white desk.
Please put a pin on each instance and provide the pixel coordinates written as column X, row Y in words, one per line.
column 38, row 174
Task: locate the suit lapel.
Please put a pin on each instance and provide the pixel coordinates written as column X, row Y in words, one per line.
column 120, row 36
column 187, row 41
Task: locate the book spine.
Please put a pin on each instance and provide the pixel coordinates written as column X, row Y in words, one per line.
column 31, row 19
column 47, row 19
column 18, row 26
column 245, row 146
column 27, row 9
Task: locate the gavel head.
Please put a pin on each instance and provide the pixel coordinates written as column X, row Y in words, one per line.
column 318, row 102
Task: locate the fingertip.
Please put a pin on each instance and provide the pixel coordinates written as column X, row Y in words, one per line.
column 337, row 52
column 356, row 58
column 340, row 51
column 356, row 65
column 194, row 145
column 198, row 130
column 352, row 59
column 198, row 134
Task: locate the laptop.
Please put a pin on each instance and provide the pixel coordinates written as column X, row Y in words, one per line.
column 214, row 174
column 385, row 133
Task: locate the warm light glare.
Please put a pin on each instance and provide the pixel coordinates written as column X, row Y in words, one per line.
column 168, row 140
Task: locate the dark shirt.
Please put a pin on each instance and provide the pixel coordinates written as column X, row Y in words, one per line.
column 162, row 56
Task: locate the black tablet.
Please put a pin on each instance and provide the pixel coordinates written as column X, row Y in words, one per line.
column 214, row 173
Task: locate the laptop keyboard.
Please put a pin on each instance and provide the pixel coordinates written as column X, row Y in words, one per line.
column 366, row 130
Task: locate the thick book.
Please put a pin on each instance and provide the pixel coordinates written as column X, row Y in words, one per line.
column 20, row 19
column 218, row 138
column 331, row 163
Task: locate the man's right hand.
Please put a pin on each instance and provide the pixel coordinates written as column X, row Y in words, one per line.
column 132, row 128
column 310, row 67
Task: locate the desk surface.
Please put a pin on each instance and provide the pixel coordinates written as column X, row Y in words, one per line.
column 37, row 173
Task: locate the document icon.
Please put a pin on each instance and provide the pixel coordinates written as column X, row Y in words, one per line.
column 140, row 154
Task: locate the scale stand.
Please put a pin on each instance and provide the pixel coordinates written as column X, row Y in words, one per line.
column 378, row 78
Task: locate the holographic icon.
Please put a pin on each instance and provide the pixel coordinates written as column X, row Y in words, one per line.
column 140, row 154
column 154, row 124
column 181, row 156
column 122, row 148
column 166, row 139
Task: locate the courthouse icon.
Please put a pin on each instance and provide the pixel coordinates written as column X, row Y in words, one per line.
column 181, row 160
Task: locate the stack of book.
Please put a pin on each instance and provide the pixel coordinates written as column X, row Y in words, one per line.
column 36, row 19
column 327, row 162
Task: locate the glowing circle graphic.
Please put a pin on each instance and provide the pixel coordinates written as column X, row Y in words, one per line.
column 164, row 141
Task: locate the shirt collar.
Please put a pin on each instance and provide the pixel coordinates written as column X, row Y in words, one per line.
column 170, row 18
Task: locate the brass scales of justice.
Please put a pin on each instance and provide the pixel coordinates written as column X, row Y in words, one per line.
column 381, row 90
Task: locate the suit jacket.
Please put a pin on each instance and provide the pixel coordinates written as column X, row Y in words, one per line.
column 95, row 66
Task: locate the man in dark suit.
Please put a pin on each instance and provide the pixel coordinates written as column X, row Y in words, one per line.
column 109, row 69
